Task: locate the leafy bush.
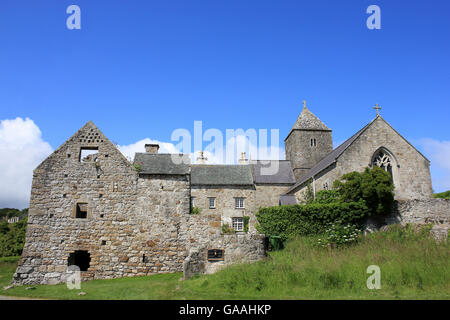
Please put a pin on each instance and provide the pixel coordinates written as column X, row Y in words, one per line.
column 298, row 220
column 226, row 229
column 442, row 195
column 13, row 240
column 326, row 196
column 373, row 185
column 195, row 210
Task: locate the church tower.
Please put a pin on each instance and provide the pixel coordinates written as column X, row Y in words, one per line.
column 308, row 142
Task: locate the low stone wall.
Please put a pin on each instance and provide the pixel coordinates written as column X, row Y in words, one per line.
column 239, row 247
column 423, row 211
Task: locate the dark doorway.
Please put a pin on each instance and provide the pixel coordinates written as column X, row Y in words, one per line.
column 80, row 258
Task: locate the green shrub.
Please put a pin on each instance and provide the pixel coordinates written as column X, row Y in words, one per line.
column 246, row 220
column 442, row 195
column 13, row 240
column 296, row 220
column 326, row 196
column 195, row 210
column 373, row 185
column 226, row 229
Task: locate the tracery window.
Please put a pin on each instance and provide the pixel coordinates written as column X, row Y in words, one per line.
column 383, row 161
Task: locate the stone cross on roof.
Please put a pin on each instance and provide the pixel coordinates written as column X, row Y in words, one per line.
column 378, row 108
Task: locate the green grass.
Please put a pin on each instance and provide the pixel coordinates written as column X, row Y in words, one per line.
column 413, row 266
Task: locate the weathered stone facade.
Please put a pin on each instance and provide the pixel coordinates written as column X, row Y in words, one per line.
column 92, row 208
column 134, row 223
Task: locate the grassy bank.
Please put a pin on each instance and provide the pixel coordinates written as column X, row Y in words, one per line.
column 413, row 266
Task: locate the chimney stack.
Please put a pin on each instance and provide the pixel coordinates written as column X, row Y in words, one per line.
column 201, row 158
column 152, row 148
column 243, row 159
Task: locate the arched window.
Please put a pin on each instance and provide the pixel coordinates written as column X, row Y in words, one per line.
column 384, row 159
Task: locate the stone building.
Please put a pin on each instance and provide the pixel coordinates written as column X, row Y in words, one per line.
column 376, row 144
column 90, row 207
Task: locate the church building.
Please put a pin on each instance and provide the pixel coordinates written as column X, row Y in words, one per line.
column 309, row 148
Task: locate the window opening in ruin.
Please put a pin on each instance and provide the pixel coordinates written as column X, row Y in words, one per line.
column 212, row 203
column 103, row 242
column 215, row 254
column 88, row 154
column 239, row 203
column 238, row 224
column 81, row 211
column 80, row 258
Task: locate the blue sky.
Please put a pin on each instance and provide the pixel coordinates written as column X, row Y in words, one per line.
column 141, row 69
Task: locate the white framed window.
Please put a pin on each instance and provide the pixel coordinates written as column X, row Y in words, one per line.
column 239, row 203
column 212, row 203
column 238, row 224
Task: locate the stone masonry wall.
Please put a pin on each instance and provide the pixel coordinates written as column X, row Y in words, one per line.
column 53, row 232
column 136, row 224
column 302, row 155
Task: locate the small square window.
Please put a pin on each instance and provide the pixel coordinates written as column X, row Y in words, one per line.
column 103, row 242
column 239, row 203
column 238, row 224
column 212, row 203
column 81, row 211
column 215, row 254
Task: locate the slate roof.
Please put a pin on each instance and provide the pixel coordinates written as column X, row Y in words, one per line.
column 221, row 175
column 308, row 121
column 282, row 173
column 161, row 163
column 287, row 199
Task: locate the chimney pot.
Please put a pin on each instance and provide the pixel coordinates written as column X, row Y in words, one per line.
column 152, row 148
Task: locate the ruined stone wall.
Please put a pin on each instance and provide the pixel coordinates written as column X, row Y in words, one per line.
column 135, row 225
column 53, row 232
column 423, row 211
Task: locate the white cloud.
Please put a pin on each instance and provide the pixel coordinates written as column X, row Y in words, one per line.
column 129, row 150
column 21, row 151
column 438, row 152
column 226, row 154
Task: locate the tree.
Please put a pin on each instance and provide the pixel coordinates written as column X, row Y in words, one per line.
column 374, row 186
